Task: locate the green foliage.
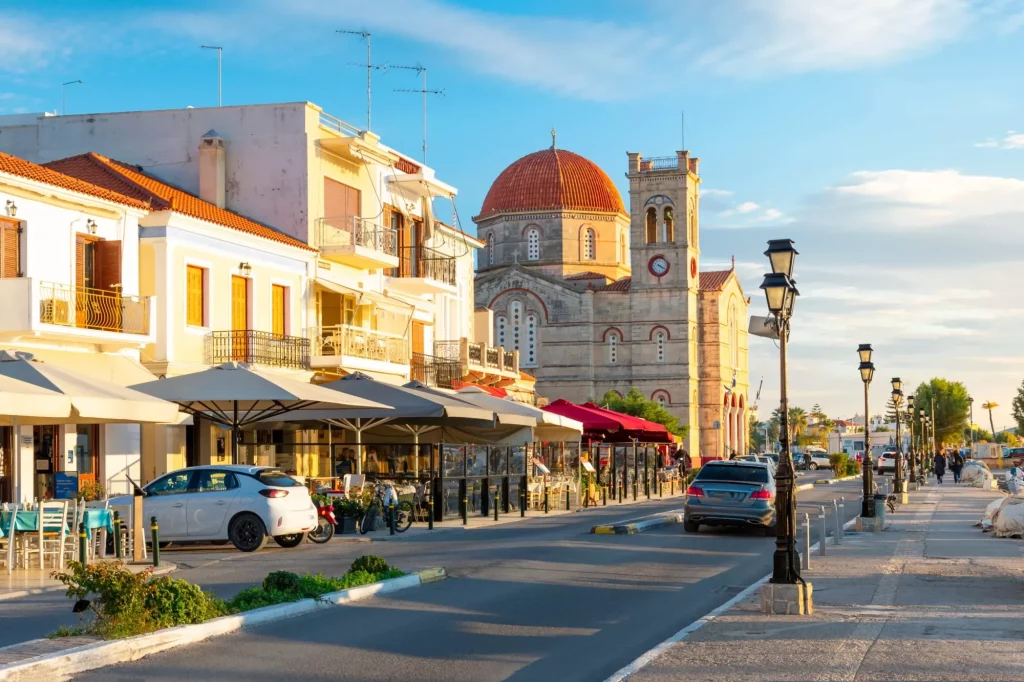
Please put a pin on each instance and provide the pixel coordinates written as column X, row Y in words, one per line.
column 370, row 563
column 68, row 631
column 173, row 602
column 637, row 405
column 756, row 432
column 951, row 408
column 90, row 491
column 321, row 500
column 303, row 587
column 1017, row 409
column 283, row 581
column 853, row 467
column 348, row 507
column 837, row 461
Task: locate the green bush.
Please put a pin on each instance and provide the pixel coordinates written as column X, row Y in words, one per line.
column 837, row 462
column 853, row 468
column 349, row 508
column 370, row 563
column 176, row 602
column 282, row 581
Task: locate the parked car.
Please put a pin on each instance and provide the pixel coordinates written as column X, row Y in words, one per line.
column 732, row 493
column 886, row 463
column 1016, row 455
column 245, row 505
column 818, row 461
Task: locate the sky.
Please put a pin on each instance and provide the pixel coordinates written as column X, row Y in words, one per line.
column 886, row 137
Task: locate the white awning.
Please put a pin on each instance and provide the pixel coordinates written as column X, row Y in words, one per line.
column 374, row 297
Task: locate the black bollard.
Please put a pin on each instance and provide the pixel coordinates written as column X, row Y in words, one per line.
column 568, row 505
column 118, row 547
column 465, row 510
column 155, row 530
column 391, row 516
column 604, row 496
column 522, row 501
column 497, row 501
column 430, row 516
column 83, row 545
column 547, row 492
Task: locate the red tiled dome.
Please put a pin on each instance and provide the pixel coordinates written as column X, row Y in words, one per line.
column 551, row 180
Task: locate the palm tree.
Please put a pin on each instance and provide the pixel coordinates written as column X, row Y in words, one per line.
column 990, row 406
column 797, row 422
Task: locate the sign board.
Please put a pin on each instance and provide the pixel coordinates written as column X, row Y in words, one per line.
column 588, row 466
column 65, row 486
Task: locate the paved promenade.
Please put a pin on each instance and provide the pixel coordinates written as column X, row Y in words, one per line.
column 931, row 598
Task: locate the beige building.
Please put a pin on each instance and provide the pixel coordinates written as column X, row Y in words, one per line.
column 595, row 298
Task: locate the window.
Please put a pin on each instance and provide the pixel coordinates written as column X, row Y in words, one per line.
column 613, row 348
column 499, row 325
column 652, row 225
column 533, row 244
column 172, row 484
column 276, row 478
column 278, row 295
column 589, row 244
column 693, row 228
column 733, row 473
column 340, row 201
column 531, row 341
column 195, row 296
column 216, row 481
column 490, row 249
column 10, row 248
column 517, row 319
column 661, row 399
column 659, row 341
column 668, row 225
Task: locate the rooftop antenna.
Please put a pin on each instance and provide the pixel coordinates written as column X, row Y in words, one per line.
column 422, row 70
column 220, row 54
column 64, row 96
column 370, row 66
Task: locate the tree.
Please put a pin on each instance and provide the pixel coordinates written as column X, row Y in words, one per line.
column 951, row 408
column 797, row 422
column 637, row 405
column 1018, row 409
column 756, row 432
column 990, row 405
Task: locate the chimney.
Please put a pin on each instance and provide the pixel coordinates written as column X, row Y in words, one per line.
column 211, row 168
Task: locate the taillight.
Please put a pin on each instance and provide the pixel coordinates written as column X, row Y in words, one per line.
column 695, row 491
column 272, row 492
column 761, row 495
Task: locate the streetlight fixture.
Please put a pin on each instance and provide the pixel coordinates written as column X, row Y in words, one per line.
column 781, row 292
column 64, row 96
column 897, row 398
column 867, row 372
column 220, row 56
column 910, row 425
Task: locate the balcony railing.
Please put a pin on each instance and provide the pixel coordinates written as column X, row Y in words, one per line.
column 350, row 230
column 255, row 347
column 477, row 355
column 93, row 309
column 422, row 261
column 434, row 371
column 657, row 163
column 357, row 342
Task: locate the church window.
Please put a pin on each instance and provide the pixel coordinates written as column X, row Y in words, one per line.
column 659, row 341
column 500, row 323
column 530, row 354
column 517, row 320
column 613, row 348
column 661, row 400
column 533, row 244
column 693, row 228
column 669, row 226
column 652, row 225
column 589, row 244
column 490, row 249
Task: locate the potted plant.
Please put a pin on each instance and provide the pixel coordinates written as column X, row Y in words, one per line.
column 348, row 513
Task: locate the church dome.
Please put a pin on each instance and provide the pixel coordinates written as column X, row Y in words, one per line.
column 551, row 180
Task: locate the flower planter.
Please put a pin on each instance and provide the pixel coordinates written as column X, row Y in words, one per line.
column 347, row 524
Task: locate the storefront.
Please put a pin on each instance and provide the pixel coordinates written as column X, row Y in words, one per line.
column 66, row 460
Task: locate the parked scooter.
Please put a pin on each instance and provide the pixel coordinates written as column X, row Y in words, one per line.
column 325, row 521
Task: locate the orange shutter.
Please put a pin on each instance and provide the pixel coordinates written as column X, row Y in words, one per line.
column 194, row 296
column 277, row 304
column 80, row 262
column 417, row 337
column 239, row 300
column 107, row 267
column 340, row 200
column 10, row 251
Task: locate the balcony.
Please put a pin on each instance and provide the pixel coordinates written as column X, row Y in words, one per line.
column 357, row 242
column 434, row 371
column 258, row 348
column 479, row 358
column 659, row 163
column 423, row 270
column 63, row 312
column 357, row 348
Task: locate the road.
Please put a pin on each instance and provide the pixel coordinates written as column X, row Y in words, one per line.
column 543, row 600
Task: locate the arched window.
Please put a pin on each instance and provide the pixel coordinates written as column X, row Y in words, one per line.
column 531, row 343
column 661, row 399
column 533, row 244
column 490, row 249
column 613, row 348
column 515, row 324
column 659, row 342
column 693, row 228
column 652, row 225
column 499, row 326
column 669, row 225
column 589, row 244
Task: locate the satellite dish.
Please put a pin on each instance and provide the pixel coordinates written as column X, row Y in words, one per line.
column 765, row 327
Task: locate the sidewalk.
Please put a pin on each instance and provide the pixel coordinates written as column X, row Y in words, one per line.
column 931, row 598
column 33, row 581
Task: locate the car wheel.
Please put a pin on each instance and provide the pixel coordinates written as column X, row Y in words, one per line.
column 289, row 541
column 691, row 526
column 813, row 467
column 247, row 533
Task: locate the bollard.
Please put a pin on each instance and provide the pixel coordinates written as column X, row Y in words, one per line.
column 604, row 496
column 661, row 487
column 155, row 530
column 391, row 517
column 568, row 506
column 547, row 494
column 805, row 562
column 497, row 501
column 83, row 545
column 430, row 512
column 841, row 517
column 465, row 509
column 118, row 548
column 634, row 489
column 837, row 536
column 647, row 487
column 620, row 493
column 672, row 490
column 522, row 501
column 824, row 531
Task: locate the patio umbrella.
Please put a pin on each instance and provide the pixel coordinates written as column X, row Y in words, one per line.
column 235, row 395
column 644, row 429
column 592, row 420
column 550, row 426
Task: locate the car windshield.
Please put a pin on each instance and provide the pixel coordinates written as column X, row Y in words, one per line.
column 733, row 474
column 276, row 478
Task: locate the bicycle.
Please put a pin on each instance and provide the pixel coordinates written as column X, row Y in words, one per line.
column 376, row 515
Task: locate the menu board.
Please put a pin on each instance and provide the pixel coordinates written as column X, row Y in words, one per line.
column 65, row 486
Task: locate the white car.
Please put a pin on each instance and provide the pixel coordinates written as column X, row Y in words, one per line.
column 819, row 460
column 245, row 505
column 887, row 462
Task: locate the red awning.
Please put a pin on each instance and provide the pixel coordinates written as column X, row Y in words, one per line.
column 592, row 420
column 643, row 429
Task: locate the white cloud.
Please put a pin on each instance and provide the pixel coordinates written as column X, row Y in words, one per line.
column 25, row 45
column 708, row 192
column 747, row 207
column 1013, row 140
column 771, row 214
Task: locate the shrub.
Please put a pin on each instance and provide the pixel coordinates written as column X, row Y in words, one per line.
column 837, row 462
column 176, row 602
column 348, row 508
column 90, row 491
column 282, row 581
column 853, row 468
column 117, row 597
column 370, row 563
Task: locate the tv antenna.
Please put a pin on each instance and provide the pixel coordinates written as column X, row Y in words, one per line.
column 422, row 71
column 757, row 398
column 370, row 66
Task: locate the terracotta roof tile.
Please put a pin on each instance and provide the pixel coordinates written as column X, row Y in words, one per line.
column 585, row 275
column 623, row 284
column 131, row 180
column 551, row 180
column 714, row 280
column 31, row 171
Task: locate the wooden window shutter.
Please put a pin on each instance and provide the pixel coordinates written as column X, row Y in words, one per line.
column 194, row 296
column 417, row 336
column 107, row 267
column 278, row 297
column 340, row 200
column 80, row 262
column 10, row 248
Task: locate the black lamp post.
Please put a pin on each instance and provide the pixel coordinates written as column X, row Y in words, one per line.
column 910, row 425
column 925, row 440
column 970, row 403
column 780, row 292
column 897, row 399
column 867, row 371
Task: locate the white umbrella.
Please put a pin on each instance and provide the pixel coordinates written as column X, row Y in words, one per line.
column 235, row 395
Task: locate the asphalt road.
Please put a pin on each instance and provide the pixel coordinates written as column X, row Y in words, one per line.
column 544, row 600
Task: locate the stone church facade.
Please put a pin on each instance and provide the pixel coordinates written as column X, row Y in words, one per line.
column 596, row 298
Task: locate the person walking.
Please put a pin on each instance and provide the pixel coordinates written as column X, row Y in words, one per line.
column 939, row 465
column 956, row 466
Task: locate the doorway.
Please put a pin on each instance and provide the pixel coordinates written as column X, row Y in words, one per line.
column 87, row 454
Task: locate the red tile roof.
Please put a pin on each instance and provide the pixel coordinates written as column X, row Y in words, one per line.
column 585, row 275
column 714, row 280
column 26, row 169
column 623, row 284
column 552, row 180
column 132, row 181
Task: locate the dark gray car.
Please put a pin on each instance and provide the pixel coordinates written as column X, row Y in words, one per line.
column 734, row 493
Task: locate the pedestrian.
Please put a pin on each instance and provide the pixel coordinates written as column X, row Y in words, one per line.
column 939, row 464
column 956, row 466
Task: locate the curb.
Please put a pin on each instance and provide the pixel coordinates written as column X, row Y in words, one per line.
column 637, row 527
column 63, row 664
column 34, row 591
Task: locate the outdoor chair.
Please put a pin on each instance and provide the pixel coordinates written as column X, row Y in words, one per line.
column 49, row 536
column 7, row 541
column 98, row 543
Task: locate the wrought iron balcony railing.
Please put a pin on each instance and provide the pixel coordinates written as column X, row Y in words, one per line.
column 422, row 261
column 255, row 347
column 87, row 308
column 434, row 371
column 350, row 230
column 369, row 344
column 657, row 163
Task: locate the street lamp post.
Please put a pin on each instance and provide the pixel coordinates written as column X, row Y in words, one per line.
column 867, row 371
column 924, row 443
column 913, row 450
column 897, row 399
column 970, row 403
column 781, row 292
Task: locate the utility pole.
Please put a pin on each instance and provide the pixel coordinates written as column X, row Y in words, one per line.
column 370, row 66
column 220, row 82
column 64, row 96
column 422, row 70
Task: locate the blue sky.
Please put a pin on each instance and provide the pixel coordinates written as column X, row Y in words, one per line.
column 880, row 134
